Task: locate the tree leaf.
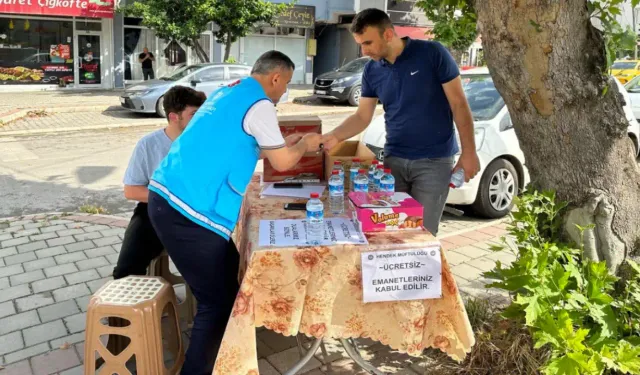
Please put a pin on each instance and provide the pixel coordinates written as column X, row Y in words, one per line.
column 532, row 310
column 628, row 358
column 562, row 366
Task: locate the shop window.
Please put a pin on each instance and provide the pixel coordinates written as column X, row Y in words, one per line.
column 88, row 26
column 35, row 51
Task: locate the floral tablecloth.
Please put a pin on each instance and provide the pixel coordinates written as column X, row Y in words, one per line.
column 318, row 291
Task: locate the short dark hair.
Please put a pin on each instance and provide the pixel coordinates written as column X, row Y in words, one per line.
column 179, row 97
column 371, row 17
column 270, row 61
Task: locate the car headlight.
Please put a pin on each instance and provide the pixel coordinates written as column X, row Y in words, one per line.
column 141, row 93
column 339, row 81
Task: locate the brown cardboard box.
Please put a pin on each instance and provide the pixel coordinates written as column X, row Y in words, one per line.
column 312, row 164
column 345, row 152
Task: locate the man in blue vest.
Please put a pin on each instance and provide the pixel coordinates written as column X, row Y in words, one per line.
column 419, row 85
column 196, row 192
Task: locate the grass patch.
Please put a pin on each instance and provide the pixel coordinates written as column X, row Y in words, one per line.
column 91, row 209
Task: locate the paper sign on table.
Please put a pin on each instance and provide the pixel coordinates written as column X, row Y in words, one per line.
column 304, row 192
column 402, row 275
column 287, row 233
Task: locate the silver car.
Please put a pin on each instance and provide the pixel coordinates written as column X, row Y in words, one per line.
column 148, row 96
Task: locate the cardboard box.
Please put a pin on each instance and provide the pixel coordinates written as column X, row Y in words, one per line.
column 379, row 213
column 345, row 152
column 312, row 164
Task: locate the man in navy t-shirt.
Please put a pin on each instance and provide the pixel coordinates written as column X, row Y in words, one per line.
column 419, row 85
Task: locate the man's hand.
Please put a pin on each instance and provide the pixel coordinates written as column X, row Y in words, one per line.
column 470, row 163
column 312, row 140
column 292, row 139
column 329, row 141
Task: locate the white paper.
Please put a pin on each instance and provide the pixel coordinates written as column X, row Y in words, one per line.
column 402, row 275
column 304, row 192
column 286, row 233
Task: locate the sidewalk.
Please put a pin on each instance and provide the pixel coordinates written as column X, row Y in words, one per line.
column 50, row 264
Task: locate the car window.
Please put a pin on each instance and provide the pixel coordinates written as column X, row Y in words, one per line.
column 210, row 74
column 181, row 73
column 633, row 85
column 354, row 66
column 623, row 65
column 237, row 72
column 484, row 100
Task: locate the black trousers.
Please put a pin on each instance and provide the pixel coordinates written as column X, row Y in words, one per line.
column 209, row 264
column 148, row 74
column 139, row 246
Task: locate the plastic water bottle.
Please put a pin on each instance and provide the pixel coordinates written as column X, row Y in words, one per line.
column 387, row 183
column 361, row 183
column 315, row 220
column 337, row 166
column 372, row 170
column 377, row 176
column 457, row 179
column 336, row 193
column 353, row 172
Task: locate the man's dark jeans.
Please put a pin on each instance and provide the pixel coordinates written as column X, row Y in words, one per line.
column 148, row 74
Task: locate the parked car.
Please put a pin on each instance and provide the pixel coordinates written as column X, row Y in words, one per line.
column 148, row 96
column 503, row 173
column 343, row 84
column 625, row 70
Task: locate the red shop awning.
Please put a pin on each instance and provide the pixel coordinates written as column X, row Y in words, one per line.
column 78, row 8
column 414, row 32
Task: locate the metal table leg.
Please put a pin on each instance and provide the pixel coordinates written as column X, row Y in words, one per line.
column 355, row 355
column 307, row 357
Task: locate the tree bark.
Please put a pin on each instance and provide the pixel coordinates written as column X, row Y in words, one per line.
column 227, row 47
column 547, row 61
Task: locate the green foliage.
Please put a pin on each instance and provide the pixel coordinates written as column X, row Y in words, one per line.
column 616, row 38
column 231, row 60
column 568, row 302
column 454, row 22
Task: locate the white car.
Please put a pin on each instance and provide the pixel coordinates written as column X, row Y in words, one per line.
column 503, row 173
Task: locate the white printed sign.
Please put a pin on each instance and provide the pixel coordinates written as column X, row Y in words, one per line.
column 402, row 275
column 286, row 233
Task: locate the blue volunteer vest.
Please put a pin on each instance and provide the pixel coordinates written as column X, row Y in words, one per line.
column 206, row 172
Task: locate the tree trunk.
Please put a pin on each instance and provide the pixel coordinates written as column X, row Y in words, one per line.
column 202, row 55
column 227, row 47
column 457, row 55
column 547, row 62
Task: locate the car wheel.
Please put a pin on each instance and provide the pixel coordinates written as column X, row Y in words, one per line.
column 498, row 188
column 160, row 107
column 354, row 96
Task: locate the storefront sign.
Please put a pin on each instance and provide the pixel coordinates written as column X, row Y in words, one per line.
column 402, row 275
column 82, row 8
column 297, row 16
column 60, row 51
column 34, row 73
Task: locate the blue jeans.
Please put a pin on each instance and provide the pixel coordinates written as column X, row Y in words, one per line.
column 427, row 181
column 209, row 264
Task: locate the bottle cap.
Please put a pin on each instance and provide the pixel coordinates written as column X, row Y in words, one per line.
column 375, row 162
column 315, row 195
column 356, row 160
column 335, row 172
column 362, row 171
column 380, row 166
column 387, row 170
column 337, row 162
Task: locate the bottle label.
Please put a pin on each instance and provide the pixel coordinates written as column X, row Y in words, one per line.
column 336, row 189
column 387, row 187
column 317, row 215
column 353, row 173
column 361, row 187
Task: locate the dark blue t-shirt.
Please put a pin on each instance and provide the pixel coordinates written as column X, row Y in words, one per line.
column 417, row 113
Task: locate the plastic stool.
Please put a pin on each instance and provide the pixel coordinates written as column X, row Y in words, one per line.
column 160, row 267
column 141, row 301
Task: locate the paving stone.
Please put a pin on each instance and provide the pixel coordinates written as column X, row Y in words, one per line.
column 105, row 271
column 19, row 368
column 70, row 232
column 265, row 368
column 43, row 236
column 277, row 342
column 74, row 371
column 48, row 284
column 107, row 241
column 71, row 339
column 32, row 246
column 26, row 353
column 18, row 321
column 19, row 222
column 285, row 360
column 58, row 310
column 93, row 228
column 87, row 236
column 466, row 271
column 2, row 264
column 505, row 257
column 92, row 263
column 19, row 258
column 14, row 292
column 54, row 361
column 70, row 258
column 34, row 301
column 78, row 246
column 52, row 251
column 61, row 221
column 52, row 228
column 11, row 270
column 76, row 323
column 26, row 232
column 82, row 276
column 61, row 270
column 454, row 258
column 483, row 264
column 39, row 264
column 472, row 252
column 97, row 284
column 113, row 258
column 76, row 225
column 61, row 241
column 4, row 282
column 6, row 309
column 8, row 251
column 112, row 232
column 70, row 292
column 11, row 342
column 83, row 302
column 104, row 250
column 26, row 277
column 44, row 332
column 14, row 242
column 33, row 225
column 6, row 236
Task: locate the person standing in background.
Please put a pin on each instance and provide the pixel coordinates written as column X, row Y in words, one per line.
column 146, row 58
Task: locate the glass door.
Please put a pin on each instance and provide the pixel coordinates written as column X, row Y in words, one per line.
column 89, row 66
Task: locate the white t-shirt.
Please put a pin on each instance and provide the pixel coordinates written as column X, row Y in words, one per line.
column 261, row 122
